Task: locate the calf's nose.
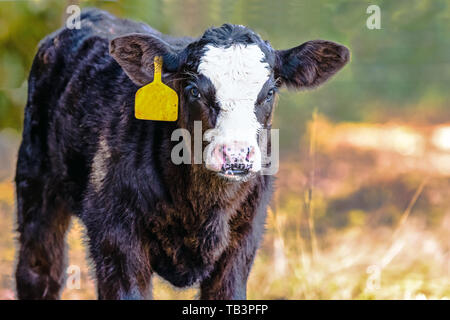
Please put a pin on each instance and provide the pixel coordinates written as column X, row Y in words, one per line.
column 234, row 158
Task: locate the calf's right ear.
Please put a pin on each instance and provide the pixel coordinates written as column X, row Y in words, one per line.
column 135, row 54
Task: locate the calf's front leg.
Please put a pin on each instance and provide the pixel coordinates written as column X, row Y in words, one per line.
column 228, row 280
column 121, row 262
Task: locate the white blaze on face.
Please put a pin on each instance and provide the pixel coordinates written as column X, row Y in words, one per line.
column 238, row 74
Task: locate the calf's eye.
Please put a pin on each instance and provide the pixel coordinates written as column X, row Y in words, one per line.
column 194, row 92
column 270, row 94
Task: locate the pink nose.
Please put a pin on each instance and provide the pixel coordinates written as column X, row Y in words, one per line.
column 233, row 158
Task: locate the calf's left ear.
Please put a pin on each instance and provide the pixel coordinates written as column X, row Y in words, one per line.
column 310, row 64
column 135, row 53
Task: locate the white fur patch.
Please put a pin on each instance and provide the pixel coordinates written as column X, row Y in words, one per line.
column 99, row 164
column 238, row 74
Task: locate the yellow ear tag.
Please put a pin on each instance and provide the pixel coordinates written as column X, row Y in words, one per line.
column 156, row 101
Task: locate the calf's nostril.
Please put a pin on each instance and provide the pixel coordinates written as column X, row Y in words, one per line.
column 250, row 153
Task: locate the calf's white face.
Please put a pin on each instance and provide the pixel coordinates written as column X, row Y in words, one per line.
column 238, row 74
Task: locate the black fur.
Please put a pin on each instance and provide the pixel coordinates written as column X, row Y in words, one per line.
column 181, row 221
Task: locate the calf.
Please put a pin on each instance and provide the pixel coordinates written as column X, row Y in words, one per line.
column 84, row 153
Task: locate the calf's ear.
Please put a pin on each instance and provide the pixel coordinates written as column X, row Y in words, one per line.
column 310, row 64
column 135, row 54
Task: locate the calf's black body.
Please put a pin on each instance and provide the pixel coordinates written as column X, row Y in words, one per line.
column 149, row 215
column 84, row 153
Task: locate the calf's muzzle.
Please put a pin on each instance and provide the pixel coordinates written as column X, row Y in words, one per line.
column 233, row 159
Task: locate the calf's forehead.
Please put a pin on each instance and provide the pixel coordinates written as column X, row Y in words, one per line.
column 238, row 72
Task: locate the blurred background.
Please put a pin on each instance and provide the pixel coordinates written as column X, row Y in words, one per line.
column 362, row 207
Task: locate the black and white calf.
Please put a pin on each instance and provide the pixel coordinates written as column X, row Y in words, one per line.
column 83, row 153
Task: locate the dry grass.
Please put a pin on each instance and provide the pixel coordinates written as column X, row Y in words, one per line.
column 349, row 221
column 357, row 263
